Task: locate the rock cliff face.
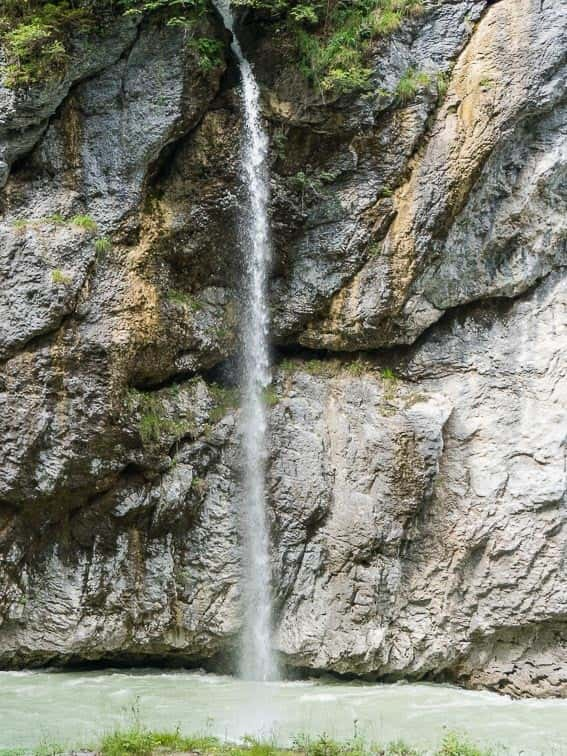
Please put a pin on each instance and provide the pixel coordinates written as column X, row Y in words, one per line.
column 417, row 479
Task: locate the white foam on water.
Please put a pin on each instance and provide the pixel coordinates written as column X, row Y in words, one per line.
column 77, row 708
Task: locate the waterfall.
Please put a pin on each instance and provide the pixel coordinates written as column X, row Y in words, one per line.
column 257, row 661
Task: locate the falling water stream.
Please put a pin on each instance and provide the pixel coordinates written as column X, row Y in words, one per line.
column 257, row 659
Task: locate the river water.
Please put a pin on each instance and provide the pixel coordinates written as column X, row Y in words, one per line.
column 73, row 708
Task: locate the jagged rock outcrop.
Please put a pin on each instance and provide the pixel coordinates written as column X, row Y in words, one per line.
column 417, row 491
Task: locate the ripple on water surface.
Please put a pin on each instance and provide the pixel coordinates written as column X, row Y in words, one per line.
column 78, row 707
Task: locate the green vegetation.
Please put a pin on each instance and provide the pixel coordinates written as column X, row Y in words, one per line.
column 327, row 368
column 140, row 742
column 270, row 396
column 184, row 299
column 390, row 383
column 81, row 221
column 56, row 219
column 44, row 749
column 333, row 38
column 410, row 84
column 289, row 365
column 442, row 83
column 335, row 47
column 452, row 745
column 137, row 741
column 321, row 367
column 154, row 424
column 209, row 52
column 103, row 245
column 184, row 14
column 85, row 222
column 199, row 485
column 58, row 277
column 37, row 34
column 279, row 143
column 34, row 34
column 311, row 185
column 357, row 368
column 187, row 11
column 224, row 399
column 333, row 367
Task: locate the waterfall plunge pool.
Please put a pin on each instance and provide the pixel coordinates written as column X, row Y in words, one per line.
column 77, row 708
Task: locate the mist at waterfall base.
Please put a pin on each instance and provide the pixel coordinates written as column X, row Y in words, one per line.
column 78, row 708
column 257, row 660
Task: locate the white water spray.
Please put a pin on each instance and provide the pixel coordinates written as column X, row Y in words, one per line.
column 257, row 660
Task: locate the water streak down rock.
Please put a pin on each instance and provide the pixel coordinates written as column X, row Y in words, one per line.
column 257, row 660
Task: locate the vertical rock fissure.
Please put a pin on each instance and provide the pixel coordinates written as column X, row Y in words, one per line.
column 257, row 660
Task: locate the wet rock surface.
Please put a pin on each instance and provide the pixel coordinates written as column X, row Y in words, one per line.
column 416, row 491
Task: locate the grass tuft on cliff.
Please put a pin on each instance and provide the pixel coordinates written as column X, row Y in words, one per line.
column 155, row 424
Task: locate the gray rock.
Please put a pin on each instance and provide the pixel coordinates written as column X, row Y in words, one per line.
column 418, row 523
column 483, row 211
column 424, row 563
column 25, row 113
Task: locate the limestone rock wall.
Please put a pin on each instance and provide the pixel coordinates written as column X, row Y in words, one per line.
column 417, row 489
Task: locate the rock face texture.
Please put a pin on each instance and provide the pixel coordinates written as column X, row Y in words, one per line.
column 438, row 540
column 417, row 488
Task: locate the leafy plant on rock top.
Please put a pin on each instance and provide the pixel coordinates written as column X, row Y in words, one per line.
column 209, row 52
column 34, row 35
column 37, row 35
column 334, row 56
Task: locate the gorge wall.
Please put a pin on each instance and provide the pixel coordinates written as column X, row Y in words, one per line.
column 417, row 478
